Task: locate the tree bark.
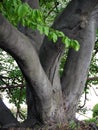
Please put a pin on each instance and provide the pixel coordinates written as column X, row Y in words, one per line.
column 33, row 115
column 76, row 68
column 6, row 117
column 16, row 44
column 48, row 93
column 77, row 23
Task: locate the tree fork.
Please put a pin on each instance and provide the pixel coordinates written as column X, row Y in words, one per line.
column 47, row 85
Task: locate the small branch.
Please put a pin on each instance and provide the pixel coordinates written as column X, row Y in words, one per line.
column 7, row 87
column 92, row 78
column 56, row 4
column 54, row 7
column 80, row 107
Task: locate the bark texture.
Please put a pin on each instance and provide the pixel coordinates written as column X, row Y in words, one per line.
column 49, row 97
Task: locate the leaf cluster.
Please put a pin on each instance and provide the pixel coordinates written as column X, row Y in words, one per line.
column 17, row 12
column 95, row 110
column 12, row 82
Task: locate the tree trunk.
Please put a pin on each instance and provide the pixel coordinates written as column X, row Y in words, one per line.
column 49, row 98
column 77, row 22
column 76, row 68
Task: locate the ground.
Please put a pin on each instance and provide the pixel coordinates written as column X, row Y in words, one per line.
column 81, row 125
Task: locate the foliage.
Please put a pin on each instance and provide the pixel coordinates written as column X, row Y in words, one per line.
column 52, row 8
column 17, row 12
column 94, row 119
column 93, row 122
column 73, row 125
column 9, row 71
column 95, row 110
column 12, row 81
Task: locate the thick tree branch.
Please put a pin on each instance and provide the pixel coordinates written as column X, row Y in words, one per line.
column 22, row 50
column 77, row 64
column 92, row 78
column 32, row 98
column 10, row 86
column 78, row 13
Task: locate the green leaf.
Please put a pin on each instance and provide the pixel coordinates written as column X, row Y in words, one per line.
column 23, row 22
column 14, row 3
column 75, row 45
column 54, row 37
column 40, row 28
column 22, row 10
column 66, row 41
column 46, row 30
column 59, row 33
column 34, row 25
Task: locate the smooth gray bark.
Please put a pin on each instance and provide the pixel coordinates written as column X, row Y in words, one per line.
column 16, row 44
column 77, row 23
column 21, row 49
column 76, row 68
column 33, row 114
column 51, row 94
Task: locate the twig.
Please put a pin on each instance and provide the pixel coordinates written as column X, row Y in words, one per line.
column 7, row 87
column 92, row 78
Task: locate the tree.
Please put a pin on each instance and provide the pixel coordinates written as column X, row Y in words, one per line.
column 51, row 98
